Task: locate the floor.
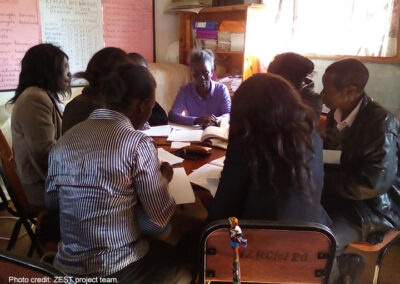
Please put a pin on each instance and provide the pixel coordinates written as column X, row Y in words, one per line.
column 390, row 270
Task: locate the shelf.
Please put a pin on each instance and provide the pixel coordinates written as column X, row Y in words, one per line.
column 231, row 8
column 228, row 52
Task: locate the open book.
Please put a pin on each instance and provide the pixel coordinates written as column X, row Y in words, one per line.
column 196, row 135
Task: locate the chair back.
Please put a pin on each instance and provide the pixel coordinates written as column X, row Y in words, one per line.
column 20, row 269
column 12, row 181
column 276, row 252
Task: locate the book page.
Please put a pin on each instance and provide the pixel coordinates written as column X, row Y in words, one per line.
column 215, row 132
column 180, row 187
column 165, row 156
column 182, row 135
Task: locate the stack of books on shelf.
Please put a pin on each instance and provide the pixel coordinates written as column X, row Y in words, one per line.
column 206, row 34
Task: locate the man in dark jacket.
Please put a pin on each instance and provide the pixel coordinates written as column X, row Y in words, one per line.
column 362, row 193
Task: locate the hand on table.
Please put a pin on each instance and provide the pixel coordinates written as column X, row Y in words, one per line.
column 167, row 171
column 207, row 120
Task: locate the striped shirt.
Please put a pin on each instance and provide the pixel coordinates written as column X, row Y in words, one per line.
column 98, row 171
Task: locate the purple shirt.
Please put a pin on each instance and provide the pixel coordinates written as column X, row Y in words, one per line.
column 218, row 103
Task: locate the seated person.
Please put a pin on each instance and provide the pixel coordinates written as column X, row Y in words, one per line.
column 99, row 171
column 158, row 114
column 36, row 116
column 273, row 168
column 203, row 101
column 362, row 193
column 99, row 67
column 296, row 68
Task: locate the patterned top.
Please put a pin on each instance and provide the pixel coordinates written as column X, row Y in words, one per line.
column 98, row 172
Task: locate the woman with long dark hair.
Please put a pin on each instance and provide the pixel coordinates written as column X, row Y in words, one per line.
column 36, row 116
column 273, row 168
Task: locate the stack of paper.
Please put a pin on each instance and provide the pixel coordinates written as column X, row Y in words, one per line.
column 208, row 175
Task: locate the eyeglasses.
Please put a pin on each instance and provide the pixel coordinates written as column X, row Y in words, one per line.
column 205, row 74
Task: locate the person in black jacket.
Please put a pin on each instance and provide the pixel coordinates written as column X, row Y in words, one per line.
column 296, row 69
column 362, row 193
column 158, row 114
column 273, row 168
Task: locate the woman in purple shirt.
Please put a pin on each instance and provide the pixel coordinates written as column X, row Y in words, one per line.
column 203, row 101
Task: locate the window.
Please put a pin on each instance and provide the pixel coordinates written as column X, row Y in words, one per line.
column 324, row 28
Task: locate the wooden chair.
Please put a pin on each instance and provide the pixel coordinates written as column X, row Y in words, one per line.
column 19, row 269
column 24, row 211
column 277, row 252
column 390, row 240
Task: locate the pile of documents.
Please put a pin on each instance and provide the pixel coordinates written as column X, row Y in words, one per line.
column 208, row 176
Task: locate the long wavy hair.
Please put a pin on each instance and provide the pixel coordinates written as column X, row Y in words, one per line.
column 272, row 127
column 42, row 66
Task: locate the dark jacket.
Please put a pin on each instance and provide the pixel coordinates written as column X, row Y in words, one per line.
column 239, row 196
column 365, row 186
column 310, row 97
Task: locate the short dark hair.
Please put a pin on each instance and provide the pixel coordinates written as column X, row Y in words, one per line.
column 42, row 66
column 100, row 66
column 137, row 58
column 127, row 83
column 291, row 66
column 349, row 71
column 202, row 55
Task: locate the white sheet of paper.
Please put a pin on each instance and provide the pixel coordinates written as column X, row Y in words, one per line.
column 178, row 145
column 181, row 135
column 218, row 162
column 207, row 176
column 180, row 187
column 158, row 131
column 165, row 156
column 332, row 156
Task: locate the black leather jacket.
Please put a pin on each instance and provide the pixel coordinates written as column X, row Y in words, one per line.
column 366, row 184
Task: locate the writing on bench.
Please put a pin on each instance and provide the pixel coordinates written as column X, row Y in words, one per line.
column 273, row 255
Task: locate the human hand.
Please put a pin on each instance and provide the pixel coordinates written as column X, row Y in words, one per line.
column 207, row 120
column 167, row 171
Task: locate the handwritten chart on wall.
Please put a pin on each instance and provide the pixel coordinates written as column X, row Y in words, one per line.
column 79, row 27
column 129, row 25
column 19, row 30
column 76, row 26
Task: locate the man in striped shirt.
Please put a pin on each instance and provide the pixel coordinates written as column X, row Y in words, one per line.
column 99, row 171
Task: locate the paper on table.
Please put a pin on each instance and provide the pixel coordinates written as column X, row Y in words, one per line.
column 180, row 187
column 181, row 126
column 331, row 156
column 166, row 156
column 207, row 176
column 178, row 145
column 180, row 135
column 158, row 131
column 218, row 162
